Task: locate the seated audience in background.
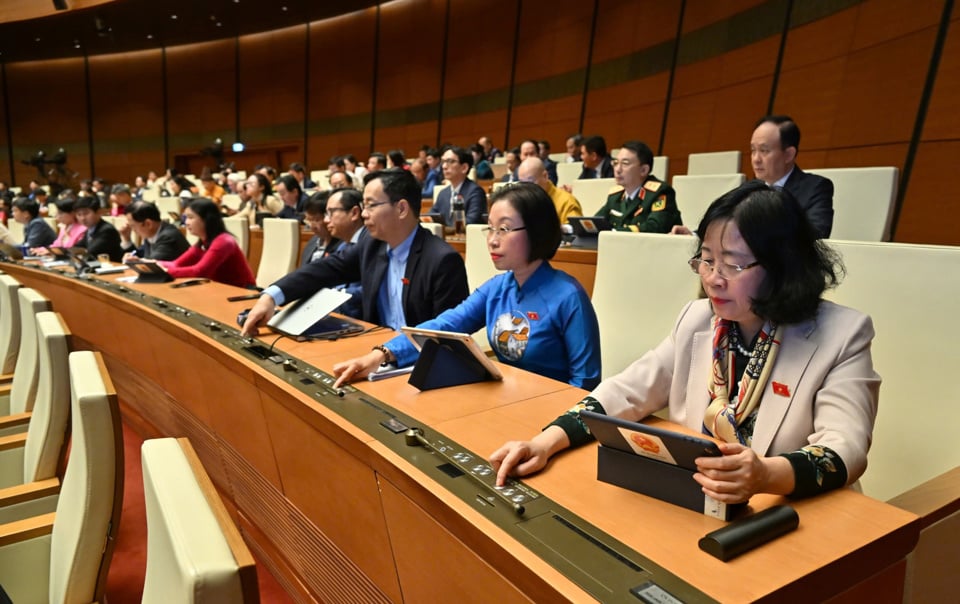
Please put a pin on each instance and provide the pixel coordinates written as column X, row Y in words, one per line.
column 435, row 173
column 549, row 165
column 457, row 162
column 299, row 171
column 40, row 196
column 782, row 377
column 596, row 162
column 480, row 163
column 322, row 243
column 376, row 162
column 210, row 189
column 267, row 171
column 36, row 232
column 260, row 199
column 339, row 180
column 343, row 219
column 139, row 186
column 357, row 172
column 235, row 183
column 490, row 152
column 288, row 189
column 6, row 194
column 513, row 162
column 180, row 186
column 773, row 155
column 408, row 275
column 395, row 159
column 101, row 237
column 418, row 167
column 646, row 204
column 217, row 255
column 158, row 240
column 71, row 231
column 537, row 318
column 574, row 143
column 120, row 199
column 565, row 204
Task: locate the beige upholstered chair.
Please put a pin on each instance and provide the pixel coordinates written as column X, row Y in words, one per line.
column 437, row 189
column 657, row 279
column 568, row 172
column 151, row 194
column 52, row 221
column 661, row 167
column 232, row 201
column 195, row 553
column 16, row 232
column 239, row 227
column 64, row 557
column 434, row 227
column 480, row 269
column 863, row 200
column 696, row 193
column 281, row 245
column 558, row 157
column 9, row 326
column 168, row 205
column 718, row 162
column 31, row 460
column 592, row 193
column 23, row 388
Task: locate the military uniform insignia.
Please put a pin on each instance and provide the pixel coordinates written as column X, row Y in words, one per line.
column 615, row 212
column 652, row 185
column 659, row 204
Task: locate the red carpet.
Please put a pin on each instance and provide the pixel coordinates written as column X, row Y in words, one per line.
column 127, row 570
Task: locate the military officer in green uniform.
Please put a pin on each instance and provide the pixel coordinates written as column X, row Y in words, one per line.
column 645, row 204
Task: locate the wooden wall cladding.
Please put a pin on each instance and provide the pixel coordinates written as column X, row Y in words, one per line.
column 851, row 72
column 5, row 159
column 126, row 93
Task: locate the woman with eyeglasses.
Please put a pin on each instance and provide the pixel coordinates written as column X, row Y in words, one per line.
column 783, row 378
column 537, row 318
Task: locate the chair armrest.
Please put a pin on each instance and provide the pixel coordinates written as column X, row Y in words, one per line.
column 6, row 378
column 6, row 387
column 29, row 528
column 27, row 492
column 16, row 423
column 12, row 441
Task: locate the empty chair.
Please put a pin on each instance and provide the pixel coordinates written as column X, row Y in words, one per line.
column 169, row 207
column 23, row 388
column 9, row 326
column 195, row 553
column 696, row 193
column 661, row 167
column 863, row 200
column 568, row 172
column 434, row 227
column 558, row 157
column 64, row 557
column 31, row 460
column 499, row 170
column 718, row 162
column 592, row 193
column 281, row 244
column 150, row 194
column 239, row 227
column 232, row 201
column 16, row 232
column 657, row 280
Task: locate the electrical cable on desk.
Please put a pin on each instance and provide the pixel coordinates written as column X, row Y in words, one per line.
column 335, row 337
column 274, row 343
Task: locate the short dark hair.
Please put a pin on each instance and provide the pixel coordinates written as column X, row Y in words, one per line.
column 345, row 174
column 184, row 183
column 349, row 198
column 40, row 191
column 297, row 167
column 641, row 150
column 436, row 153
column 66, row 204
column 789, row 131
column 396, row 156
column 337, row 160
column 535, row 144
column 539, row 215
column 799, row 266
column 577, row 139
column 595, row 144
column 398, row 184
column 317, row 203
column 25, row 204
column 545, row 144
column 264, row 183
column 209, row 213
column 463, row 156
column 121, row 189
column 141, row 211
column 477, row 148
column 87, row 202
column 380, row 157
column 291, row 184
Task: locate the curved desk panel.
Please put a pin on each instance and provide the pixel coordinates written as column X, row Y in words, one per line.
column 345, row 510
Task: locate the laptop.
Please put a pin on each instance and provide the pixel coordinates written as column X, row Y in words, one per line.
column 308, row 317
column 587, row 229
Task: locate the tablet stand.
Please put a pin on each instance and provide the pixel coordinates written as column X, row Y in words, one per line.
column 447, row 364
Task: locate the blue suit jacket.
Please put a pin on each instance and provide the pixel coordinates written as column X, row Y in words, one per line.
column 474, row 202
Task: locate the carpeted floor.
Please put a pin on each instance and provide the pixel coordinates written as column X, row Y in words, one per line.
column 127, row 570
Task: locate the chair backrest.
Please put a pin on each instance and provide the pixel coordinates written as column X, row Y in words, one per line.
column 863, row 200
column 659, row 279
column 88, row 511
column 239, row 227
column 592, row 193
column 281, row 244
column 437, row 189
column 16, row 232
column 500, row 159
column 319, row 177
column 168, row 205
column 9, row 323
column 231, row 200
column 718, row 162
column 434, row 227
column 568, row 172
column 696, row 193
column 195, row 553
column 661, row 167
column 23, row 391
column 558, row 157
column 499, row 170
column 480, row 268
column 48, row 423
column 52, row 221
column 150, row 194
column 910, row 291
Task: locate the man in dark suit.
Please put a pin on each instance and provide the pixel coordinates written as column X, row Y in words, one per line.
column 596, row 162
column 457, row 162
column 512, row 160
column 543, row 151
column 159, row 240
column 408, row 275
column 773, row 155
column 101, row 237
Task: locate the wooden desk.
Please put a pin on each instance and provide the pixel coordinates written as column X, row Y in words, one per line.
column 341, row 516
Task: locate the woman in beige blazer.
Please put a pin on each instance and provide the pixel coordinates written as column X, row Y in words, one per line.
column 782, row 378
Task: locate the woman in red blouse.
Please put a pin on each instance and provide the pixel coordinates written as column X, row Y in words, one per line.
column 216, row 256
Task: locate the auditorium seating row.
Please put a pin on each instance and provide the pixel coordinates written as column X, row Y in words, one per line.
column 60, row 512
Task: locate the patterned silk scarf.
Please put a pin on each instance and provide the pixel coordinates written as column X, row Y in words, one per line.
column 724, row 417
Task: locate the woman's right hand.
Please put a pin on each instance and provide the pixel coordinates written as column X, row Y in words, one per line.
column 522, row 457
column 359, row 367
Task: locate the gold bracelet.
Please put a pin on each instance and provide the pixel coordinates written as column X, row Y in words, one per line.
column 387, row 355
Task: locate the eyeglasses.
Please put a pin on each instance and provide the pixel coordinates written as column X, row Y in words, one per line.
column 330, row 211
column 370, row 206
column 500, row 231
column 624, row 163
column 724, row 269
column 450, row 160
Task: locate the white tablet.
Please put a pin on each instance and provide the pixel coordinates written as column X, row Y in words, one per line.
column 457, row 342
